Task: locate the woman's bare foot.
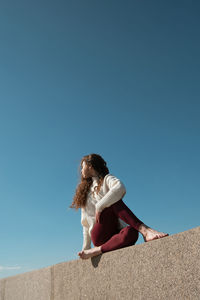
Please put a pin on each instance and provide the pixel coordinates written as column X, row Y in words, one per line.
column 85, row 254
column 150, row 234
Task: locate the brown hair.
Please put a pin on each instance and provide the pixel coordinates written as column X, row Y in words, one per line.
column 99, row 165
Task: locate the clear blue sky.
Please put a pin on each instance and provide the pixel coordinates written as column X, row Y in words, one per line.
column 120, row 79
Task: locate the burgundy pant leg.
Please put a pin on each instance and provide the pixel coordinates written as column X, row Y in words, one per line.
column 126, row 237
column 106, row 233
column 106, row 228
column 123, row 212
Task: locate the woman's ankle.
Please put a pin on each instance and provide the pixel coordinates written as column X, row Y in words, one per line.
column 143, row 229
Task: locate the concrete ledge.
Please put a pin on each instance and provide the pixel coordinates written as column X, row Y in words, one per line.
column 30, row 285
column 168, row 268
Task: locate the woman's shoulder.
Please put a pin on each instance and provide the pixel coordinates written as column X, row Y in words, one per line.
column 109, row 178
column 112, row 181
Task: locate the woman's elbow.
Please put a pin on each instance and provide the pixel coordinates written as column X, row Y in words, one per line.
column 121, row 190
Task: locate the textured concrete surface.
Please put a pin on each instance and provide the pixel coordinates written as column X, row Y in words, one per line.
column 31, row 285
column 2, row 289
column 168, row 268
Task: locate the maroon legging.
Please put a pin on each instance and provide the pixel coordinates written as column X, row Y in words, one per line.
column 106, row 233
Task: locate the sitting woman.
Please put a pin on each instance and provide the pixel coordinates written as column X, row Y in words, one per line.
column 105, row 218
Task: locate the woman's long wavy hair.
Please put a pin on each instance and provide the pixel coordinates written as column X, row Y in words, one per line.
column 99, row 165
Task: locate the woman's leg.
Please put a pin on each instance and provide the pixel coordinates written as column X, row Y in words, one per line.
column 105, row 228
column 126, row 237
column 102, row 232
column 106, row 233
column 108, row 223
column 123, row 212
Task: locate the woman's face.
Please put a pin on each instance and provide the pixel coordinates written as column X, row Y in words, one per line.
column 87, row 171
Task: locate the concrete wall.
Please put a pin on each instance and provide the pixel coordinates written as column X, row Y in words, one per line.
column 168, row 268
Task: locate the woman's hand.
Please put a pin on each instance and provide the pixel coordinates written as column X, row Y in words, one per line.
column 97, row 216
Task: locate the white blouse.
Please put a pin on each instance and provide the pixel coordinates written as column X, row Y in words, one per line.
column 111, row 191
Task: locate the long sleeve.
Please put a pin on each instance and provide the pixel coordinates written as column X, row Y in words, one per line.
column 116, row 190
column 86, row 236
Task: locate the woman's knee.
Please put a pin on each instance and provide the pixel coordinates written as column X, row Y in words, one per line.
column 96, row 237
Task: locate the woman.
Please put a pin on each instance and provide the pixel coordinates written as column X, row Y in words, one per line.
column 105, row 218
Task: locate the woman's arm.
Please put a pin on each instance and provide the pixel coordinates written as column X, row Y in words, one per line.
column 86, row 239
column 86, row 236
column 116, row 191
